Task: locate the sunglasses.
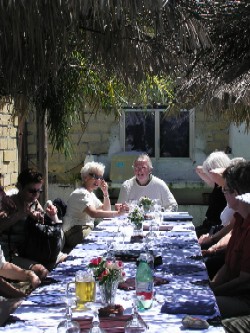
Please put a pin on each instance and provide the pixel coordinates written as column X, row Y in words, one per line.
column 34, row 191
column 93, row 175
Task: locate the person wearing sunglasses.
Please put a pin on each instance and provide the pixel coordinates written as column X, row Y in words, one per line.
column 83, row 206
column 13, row 223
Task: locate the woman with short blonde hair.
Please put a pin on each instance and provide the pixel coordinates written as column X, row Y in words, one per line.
column 83, row 206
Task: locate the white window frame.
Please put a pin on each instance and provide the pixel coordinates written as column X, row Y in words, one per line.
column 157, row 132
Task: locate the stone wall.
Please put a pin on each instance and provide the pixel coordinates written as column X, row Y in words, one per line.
column 8, row 148
column 95, row 140
column 210, row 134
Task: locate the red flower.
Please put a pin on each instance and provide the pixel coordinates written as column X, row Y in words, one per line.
column 96, row 261
column 119, row 263
column 103, row 274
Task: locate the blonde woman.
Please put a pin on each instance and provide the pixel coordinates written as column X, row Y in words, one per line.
column 83, row 206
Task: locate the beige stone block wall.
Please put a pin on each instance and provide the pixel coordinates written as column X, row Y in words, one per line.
column 95, row 138
column 8, row 148
column 215, row 132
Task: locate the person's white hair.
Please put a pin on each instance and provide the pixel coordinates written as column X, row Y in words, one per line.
column 217, row 159
column 92, row 167
column 142, row 158
column 236, row 160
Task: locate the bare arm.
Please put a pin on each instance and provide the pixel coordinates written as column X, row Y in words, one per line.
column 13, row 272
column 210, row 239
column 200, row 172
column 100, row 213
column 106, row 201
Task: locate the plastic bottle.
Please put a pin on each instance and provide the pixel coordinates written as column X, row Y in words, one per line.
column 144, row 283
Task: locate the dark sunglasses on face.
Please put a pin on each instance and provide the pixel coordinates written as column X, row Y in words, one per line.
column 34, row 191
column 96, row 177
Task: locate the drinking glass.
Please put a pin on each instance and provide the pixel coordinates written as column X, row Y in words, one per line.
column 85, row 288
column 136, row 324
column 132, row 204
column 126, row 230
column 157, row 205
column 96, row 325
column 151, row 236
column 68, row 325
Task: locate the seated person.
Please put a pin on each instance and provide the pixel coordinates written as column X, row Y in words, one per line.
column 10, row 295
column 227, row 221
column 83, row 206
column 231, row 284
column 144, row 184
column 217, row 201
column 214, row 256
column 9, row 271
column 213, row 245
column 12, row 226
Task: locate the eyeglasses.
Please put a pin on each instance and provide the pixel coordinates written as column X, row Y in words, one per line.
column 226, row 190
column 138, row 168
column 34, row 191
column 93, row 175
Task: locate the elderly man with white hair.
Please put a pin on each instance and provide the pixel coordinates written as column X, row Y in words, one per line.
column 144, row 184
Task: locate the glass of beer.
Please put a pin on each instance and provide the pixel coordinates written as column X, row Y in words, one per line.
column 85, row 288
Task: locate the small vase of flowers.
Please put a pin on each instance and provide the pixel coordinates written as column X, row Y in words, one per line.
column 146, row 203
column 136, row 217
column 108, row 274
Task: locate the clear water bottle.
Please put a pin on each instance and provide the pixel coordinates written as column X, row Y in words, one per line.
column 144, row 282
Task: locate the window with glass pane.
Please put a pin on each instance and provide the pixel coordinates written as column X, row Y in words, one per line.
column 174, row 135
column 155, row 132
column 140, row 131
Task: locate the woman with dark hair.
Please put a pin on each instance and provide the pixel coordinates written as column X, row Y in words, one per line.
column 13, row 226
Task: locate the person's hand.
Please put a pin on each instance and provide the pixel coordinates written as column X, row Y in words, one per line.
column 40, row 271
column 33, row 278
column 124, row 207
column 206, row 253
column 51, row 210
column 104, row 187
column 3, row 214
column 205, row 239
column 217, row 176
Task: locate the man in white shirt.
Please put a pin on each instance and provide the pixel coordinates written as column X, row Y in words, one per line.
column 145, row 184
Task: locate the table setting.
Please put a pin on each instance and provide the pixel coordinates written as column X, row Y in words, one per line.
column 181, row 285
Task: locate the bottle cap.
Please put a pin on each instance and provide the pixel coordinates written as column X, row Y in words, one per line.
column 143, row 257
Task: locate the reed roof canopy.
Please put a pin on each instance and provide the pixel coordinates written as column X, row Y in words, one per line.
column 60, row 55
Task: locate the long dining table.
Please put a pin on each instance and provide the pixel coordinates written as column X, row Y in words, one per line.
column 184, row 289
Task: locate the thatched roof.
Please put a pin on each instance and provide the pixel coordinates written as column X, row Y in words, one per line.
column 50, row 48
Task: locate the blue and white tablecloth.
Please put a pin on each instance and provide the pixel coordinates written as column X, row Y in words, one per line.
column 187, row 292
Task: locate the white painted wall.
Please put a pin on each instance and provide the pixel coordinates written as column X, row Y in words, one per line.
column 239, row 141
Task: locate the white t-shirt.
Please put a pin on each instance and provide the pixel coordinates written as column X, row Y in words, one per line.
column 226, row 215
column 78, row 201
column 2, row 258
column 155, row 189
